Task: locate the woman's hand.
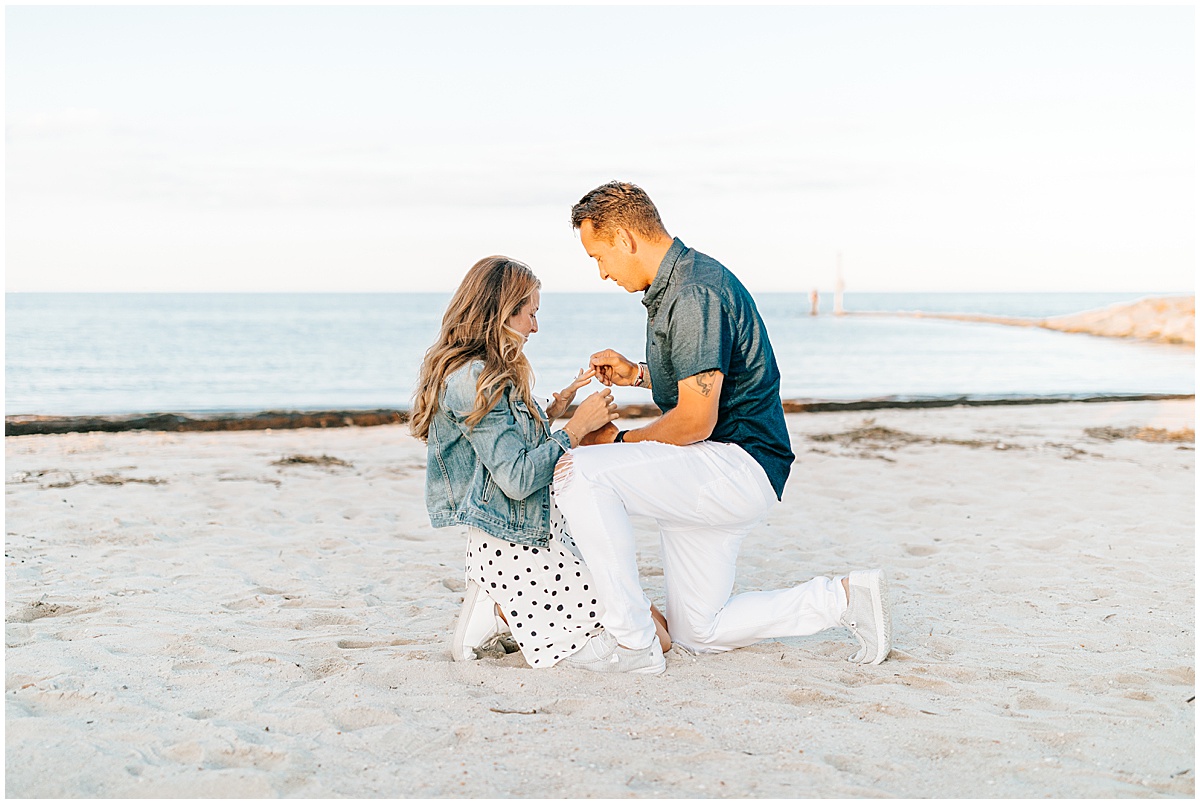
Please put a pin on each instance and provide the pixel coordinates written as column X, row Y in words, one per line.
column 593, row 413
column 564, row 398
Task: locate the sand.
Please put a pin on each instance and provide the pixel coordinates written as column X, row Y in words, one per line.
column 188, row 617
column 1166, row 319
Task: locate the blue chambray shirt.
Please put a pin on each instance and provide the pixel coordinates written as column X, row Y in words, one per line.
column 699, row 318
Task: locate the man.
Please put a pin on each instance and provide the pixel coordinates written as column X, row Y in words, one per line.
column 708, row 470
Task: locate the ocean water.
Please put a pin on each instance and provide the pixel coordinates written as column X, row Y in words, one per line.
column 73, row 354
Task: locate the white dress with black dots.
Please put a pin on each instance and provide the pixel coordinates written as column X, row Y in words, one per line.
column 546, row 593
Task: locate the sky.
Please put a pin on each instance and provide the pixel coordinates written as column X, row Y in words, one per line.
column 387, row 148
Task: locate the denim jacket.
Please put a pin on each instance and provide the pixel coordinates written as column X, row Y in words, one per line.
column 496, row 476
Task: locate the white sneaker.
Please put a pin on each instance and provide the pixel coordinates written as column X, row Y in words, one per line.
column 479, row 625
column 602, row 654
column 869, row 616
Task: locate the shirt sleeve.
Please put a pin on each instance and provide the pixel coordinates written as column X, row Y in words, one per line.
column 701, row 334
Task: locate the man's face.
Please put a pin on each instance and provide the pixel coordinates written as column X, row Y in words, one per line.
column 613, row 259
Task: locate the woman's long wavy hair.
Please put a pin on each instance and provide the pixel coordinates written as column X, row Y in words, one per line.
column 475, row 327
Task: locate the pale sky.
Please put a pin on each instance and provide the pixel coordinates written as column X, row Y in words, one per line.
column 373, row 148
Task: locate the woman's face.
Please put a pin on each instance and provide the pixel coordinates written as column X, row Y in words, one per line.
column 524, row 320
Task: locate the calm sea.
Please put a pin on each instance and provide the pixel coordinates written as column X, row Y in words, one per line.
column 140, row 353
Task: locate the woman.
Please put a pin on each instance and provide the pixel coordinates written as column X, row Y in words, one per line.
column 490, row 463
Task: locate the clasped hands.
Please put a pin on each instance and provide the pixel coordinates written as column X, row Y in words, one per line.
column 592, row 422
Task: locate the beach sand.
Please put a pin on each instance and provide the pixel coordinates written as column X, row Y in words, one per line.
column 188, row 617
column 1167, row 319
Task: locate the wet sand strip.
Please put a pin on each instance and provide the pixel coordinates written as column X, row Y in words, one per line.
column 294, row 420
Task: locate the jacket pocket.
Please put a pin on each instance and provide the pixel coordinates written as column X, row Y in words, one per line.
column 489, row 486
column 525, row 418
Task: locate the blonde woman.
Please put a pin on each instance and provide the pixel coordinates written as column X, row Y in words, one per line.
column 491, row 459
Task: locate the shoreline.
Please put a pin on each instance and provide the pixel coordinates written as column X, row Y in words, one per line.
column 36, row 424
column 1157, row 319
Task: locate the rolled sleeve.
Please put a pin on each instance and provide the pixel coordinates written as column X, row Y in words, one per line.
column 561, row 438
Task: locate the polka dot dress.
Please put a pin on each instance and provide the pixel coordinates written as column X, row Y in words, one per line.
column 558, row 529
column 545, row 592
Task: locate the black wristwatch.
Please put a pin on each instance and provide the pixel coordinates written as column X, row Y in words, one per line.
column 620, row 439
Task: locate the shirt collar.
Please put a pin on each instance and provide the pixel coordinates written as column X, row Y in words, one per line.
column 666, row 269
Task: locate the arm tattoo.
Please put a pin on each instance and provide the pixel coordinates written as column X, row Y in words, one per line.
column 704, row 382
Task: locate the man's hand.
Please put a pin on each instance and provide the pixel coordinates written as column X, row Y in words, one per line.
column 604, row 435
column 613, row 369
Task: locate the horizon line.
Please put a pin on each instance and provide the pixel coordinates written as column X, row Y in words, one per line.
column 606, row 292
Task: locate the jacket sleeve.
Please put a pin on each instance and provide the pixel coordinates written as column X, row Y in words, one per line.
column 517, row 466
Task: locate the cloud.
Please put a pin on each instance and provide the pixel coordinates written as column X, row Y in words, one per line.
column 104, row 163
column 56, row 124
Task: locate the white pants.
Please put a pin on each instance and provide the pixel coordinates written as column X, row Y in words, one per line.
column 705, row 497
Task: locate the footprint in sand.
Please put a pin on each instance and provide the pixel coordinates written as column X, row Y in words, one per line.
column 358, row 644
column 192, row 668
column 919, row 503
column 1030, row 701
column 940, row 648
column 362, row 717
column 1183, row 675
column 222, row 756
column 16, row 635
column 37, row 610
column 326, row 667
column 254, row 602
column 926, row 683
column 805, row 697
column 320, row 619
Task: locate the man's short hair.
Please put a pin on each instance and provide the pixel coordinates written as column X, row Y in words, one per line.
column 618, row 203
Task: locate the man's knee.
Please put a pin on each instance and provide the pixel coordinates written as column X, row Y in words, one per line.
column 694, row 630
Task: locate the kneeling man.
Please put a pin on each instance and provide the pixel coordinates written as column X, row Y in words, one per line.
column 708, row 470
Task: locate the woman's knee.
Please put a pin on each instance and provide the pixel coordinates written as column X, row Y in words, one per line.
column 564, row 471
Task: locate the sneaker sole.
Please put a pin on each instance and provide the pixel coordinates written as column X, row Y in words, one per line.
column 658, row 668
column 881, row 602
column 459, row 652
column 652, row 670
